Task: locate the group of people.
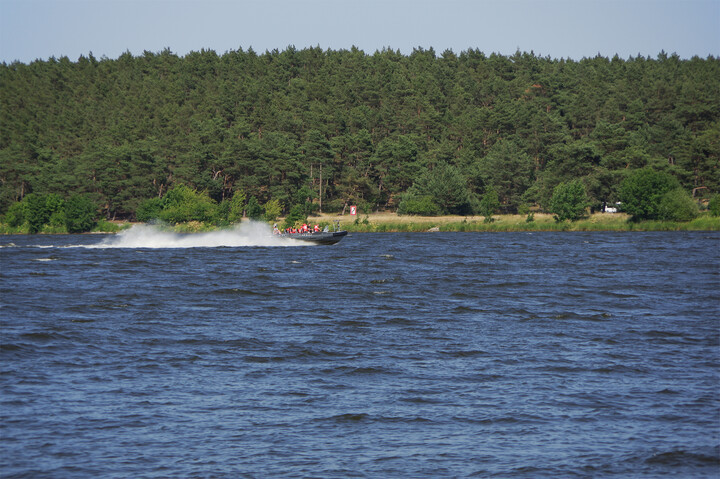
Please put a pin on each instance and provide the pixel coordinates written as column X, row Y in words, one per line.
column 305, row 228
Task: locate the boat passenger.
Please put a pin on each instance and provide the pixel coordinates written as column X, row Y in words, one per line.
column 317, row 228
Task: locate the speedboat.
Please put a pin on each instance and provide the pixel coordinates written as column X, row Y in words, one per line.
column 320, row 237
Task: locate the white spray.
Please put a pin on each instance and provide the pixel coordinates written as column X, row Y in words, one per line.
column 246, row 234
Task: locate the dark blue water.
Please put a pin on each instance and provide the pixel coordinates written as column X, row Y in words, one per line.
column 387, row 355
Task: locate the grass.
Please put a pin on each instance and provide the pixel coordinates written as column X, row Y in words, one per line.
column 103, row 226
column 392, row 223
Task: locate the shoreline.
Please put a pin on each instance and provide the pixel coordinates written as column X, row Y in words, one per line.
column 391, row 222
column 394, row 223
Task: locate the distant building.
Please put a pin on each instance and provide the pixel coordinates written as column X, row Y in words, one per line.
column 611, row 209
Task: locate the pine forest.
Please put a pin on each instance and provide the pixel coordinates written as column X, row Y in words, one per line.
column 423, row 132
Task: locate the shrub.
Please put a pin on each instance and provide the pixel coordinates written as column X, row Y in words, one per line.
column 55, row 206
column 149, row 209
column 642, row 191
column 183, row 204
column 15, row 215
column 35, row 212
column 80, row 214
column 272, row 210
column 105, row 226
column 254, row 210
column 422, row 205
column 569, row 201
column 489, row 204
column 677, row 205
column 296, row 215
column 445, row 186
column 714, row 205
column 237, row 205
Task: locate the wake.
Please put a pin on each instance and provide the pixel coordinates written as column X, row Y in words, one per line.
column 147, row 236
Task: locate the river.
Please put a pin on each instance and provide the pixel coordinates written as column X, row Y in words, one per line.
column 149, row 354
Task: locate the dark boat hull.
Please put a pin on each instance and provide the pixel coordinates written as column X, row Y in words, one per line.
column 330, row 237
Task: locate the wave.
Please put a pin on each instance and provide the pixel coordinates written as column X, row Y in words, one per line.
column 149, row 236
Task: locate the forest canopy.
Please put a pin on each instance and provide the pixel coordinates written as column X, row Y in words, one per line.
column 340, row 127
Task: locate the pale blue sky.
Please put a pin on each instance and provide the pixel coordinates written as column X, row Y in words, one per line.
column 39, row 29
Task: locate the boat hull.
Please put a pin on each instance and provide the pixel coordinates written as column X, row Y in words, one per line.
column 330, row 237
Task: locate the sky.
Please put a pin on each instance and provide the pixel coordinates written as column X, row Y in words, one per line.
column 571, row 29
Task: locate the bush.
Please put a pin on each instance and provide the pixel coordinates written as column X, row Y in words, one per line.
column 677, row 205
column 642, row 192
column 418, row 205
column 15, row 215
column 714, row 205
column 254, row 210
column 183, row 204
column 104, row 226
column 489, row 204
column 296, row 215
column 80, row 214
column 569, row 201
column 272, row 210
column 55, row 206
column 237, row 205
column 35, row 212
column 445, row 186
column 149, row 210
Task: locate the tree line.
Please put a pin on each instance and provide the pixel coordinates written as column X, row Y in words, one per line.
column 315, row 129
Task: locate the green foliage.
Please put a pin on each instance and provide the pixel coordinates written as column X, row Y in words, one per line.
column 642, row 191
column 52, row 214
column 183, row 204
column 444, row 186
column 237, row 206
column 714, row 205
column 489, row 205
column 569, row 201
column 351, row 127
column 295, row 216
column 254, row 210
column 149, row 209
column 35, row 212
column 15, row 215
column 508, row 170
column 55, row 206
column 105, row 226
column 304, row 197
column 677, row 205
column 272, row 210
column 80, row 214
column 423, row 205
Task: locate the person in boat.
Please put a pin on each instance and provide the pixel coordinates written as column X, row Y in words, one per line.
column 316, row 229
column 276, row 230
column 304, row 228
